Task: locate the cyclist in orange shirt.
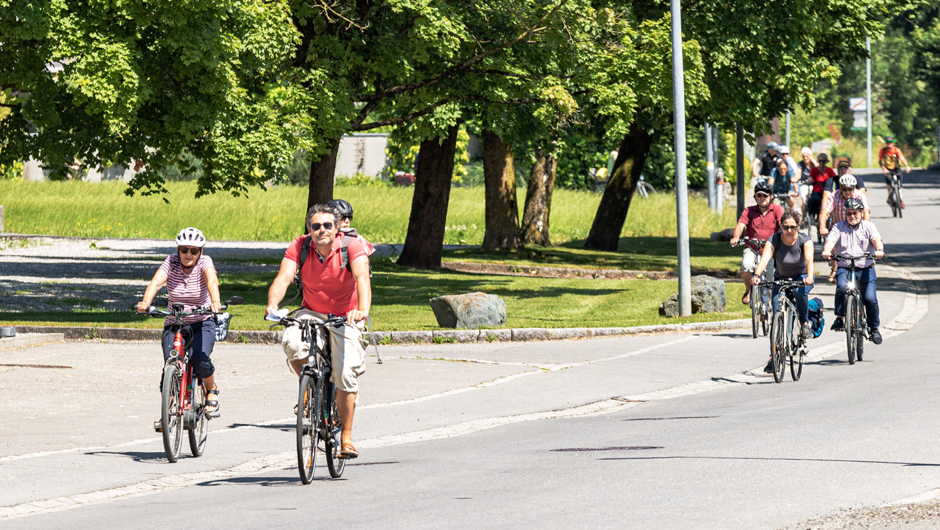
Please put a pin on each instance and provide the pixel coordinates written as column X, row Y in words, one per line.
column 890, row 158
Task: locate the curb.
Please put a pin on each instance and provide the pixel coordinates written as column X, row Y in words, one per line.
column 406, row 337
column 501, row 269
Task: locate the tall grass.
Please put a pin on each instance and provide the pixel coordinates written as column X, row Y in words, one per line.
column 102, row 210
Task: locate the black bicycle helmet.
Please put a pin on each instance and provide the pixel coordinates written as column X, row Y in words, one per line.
column 763, row 187
column 344, row 208
column 853, row 204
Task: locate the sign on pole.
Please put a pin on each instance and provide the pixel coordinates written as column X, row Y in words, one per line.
column 858, row 104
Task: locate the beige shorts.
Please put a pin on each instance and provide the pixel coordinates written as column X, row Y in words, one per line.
column 750, row 260
column 349, row 357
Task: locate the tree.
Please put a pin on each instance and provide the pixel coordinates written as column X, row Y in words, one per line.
column 499, row 176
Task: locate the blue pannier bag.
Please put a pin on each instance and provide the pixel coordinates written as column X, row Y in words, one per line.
column 816, row 319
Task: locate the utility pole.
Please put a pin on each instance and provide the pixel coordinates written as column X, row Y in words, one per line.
column 868, row 94
column 788, row 128
column 682, row 185
column 710, row 166
column 739, row 155
column 719, row 190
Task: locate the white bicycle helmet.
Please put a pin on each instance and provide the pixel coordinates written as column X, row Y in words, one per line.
column 190, row 237
column 847, row 181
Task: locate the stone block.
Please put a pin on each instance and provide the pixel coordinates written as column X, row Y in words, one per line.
column 708, row 296
column 527, row 334
column 494, row 335
column 409, row 337
column 457, row 335
column 724, row 235
column 469, row 311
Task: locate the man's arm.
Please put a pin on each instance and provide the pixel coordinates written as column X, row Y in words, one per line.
column 360, row 271
column 755, row 167
column 738, row 230
column 879, row 247
column 902, row 159
column 279, row 286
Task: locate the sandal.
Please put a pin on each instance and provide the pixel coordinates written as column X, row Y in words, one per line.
column 832, row 276
column 214, row 403
column 348, row 451
column 746, row 299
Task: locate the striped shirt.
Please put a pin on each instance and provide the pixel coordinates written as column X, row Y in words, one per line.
column 836, row 204
column 853, row 241
column 191, row 289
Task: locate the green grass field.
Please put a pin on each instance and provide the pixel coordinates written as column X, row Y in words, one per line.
column 401, row 301
column 102, row 210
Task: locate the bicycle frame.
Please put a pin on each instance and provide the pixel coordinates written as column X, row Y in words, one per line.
column 861, row 331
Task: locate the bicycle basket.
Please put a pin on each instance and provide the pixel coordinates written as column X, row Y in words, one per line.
column 221, row 326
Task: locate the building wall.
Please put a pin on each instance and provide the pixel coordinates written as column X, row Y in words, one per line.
column 361, row 153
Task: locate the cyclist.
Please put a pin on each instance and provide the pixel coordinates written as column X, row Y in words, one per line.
column 890, row 158
column 329, row 286
column 785, row 155
column 782, row 179
column 833, row 210
column 191, row 280
column 844, row 168
column 765, row 162
column 756, row 222
column 346, row 215
column 818, row 176
column 806, row 167
column 855, row 236
column 792, row 253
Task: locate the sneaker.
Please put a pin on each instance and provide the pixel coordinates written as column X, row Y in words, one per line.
column 838, row 325
column 876, row 336
column 807, row 332
column 769, row 369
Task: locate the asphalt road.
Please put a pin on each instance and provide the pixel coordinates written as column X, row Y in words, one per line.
column 666, row 431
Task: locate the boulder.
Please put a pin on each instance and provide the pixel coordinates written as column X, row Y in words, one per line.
column 469, row 311
column 708, row 296
column 724, row 235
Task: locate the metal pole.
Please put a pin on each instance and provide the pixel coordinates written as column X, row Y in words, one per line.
column 710, row 166
column 868, row 94
column 742, row 177
column 682, row 185
column 788, row 128
column 719, row 190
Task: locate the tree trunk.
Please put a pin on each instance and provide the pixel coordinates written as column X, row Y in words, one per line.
column 612, row 212
column 538, row 200
column 322, row 171
column 425, row 239
column 502, row 210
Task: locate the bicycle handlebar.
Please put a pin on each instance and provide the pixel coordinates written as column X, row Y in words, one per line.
column 744, row 240
column 784, row 284
column 330, row 320
column 864, row 255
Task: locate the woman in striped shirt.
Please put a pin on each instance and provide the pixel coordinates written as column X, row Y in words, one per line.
column 191, row 280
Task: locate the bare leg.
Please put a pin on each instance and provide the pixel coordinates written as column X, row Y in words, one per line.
column 297, row 366
column 346, row 402
column 209, row 383
column 746, row 276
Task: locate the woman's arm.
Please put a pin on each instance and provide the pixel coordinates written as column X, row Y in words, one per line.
column 212, row 282
column 157, row 283
column 810, row 269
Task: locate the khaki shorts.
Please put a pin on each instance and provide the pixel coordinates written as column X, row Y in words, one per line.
column 750, row 260
column 349, row 357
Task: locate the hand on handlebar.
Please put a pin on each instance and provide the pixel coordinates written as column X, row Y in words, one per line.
column 355, row 315
column 270, row 309
column 143, row 307
column 879, row 254
column 734, row 241
column 826, row 255
column 809, row 280
column 755, row 279
column 823, row 231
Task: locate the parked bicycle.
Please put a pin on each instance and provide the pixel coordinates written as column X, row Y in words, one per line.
column 760, row 295
column 183, row 396
column 856, row 325
column 786, row 339
column 644, row 189
column 896, row 199
column 318, row 417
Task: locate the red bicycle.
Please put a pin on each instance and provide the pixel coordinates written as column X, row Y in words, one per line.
column 183, row 396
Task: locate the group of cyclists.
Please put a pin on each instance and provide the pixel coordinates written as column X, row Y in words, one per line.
column 838, row 201
column 334, row 281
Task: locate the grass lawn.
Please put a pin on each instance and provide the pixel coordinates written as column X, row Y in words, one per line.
column 401, row 301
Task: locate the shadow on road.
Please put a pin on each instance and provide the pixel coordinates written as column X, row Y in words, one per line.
column 776, row 459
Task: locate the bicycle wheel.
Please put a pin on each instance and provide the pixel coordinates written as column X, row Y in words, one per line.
column 778, row 346
column 644, row 189
column 796, row 356
column 170, row 412
column 199, row 430
column 851, row 325
column 861, row 332
column 333, row 445
column 897, row 200
column 765, row 307
column 755, row 310
column 308, row 410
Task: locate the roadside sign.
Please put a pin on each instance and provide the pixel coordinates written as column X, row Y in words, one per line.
column 859, row 120
column 858, row 104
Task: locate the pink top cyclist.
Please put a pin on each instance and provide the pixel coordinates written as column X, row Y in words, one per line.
column 190, row 279
column 346, row 214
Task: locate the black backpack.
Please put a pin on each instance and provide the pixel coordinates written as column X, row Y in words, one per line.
column 348, row 235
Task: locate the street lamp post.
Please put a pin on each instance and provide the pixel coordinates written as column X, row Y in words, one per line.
column 682, row 186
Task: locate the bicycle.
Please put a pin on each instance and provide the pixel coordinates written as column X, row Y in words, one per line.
column 644, row 188
column 318, row 416
column 895, row 198
column 760, row 296
column 786, row 337
column 856, row 325
column 182, row 403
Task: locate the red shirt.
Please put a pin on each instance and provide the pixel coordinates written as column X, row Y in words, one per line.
column 328, row 288
column 819, row 178
column 761, row 226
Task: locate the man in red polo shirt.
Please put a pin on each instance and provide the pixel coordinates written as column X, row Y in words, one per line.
column 329, row 287
column 756, row 222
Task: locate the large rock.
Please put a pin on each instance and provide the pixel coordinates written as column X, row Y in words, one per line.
column 469, row 311
column 708, row 296
column 724, row 235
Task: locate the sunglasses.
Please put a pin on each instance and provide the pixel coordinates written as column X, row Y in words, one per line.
column 316, row 226
column 192, row 251
column 761, row 195
column 788, row 227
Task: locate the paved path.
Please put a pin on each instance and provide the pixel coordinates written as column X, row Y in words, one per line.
column 660, row 431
